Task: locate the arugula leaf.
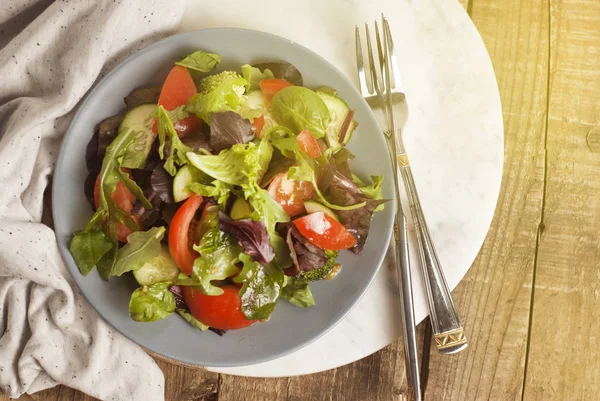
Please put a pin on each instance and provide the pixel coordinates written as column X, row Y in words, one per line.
column 218, row 256
column 284, row 70
column 178, row 150
column 297, row 293
column 261, row 289
column 200, row 61
column 254, row 75
column 148, row 304
column 141, row 247
column 299, row 108
column 227, row 95
column 88, row 247
column 192, row 320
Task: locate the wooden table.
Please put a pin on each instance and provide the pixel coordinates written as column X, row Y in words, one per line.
column 531, row 300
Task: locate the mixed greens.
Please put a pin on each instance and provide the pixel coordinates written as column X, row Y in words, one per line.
column 222, row 193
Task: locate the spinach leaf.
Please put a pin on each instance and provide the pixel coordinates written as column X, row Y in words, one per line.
column 226, row 95
column 261, row 289
column 178, row 151
column 252, row 236
column 192, row 320
column 200, row 61
column 297, row 293
column 228, row 128
column 285, row 71
column 299, row 108
column 254, row 75
column 148, row 304
column 88, row 247
column 141, row 247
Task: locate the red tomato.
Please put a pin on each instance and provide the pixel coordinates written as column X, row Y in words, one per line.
column 271, row 86
column 124, row 200
column 179, row 246
column 290, row 194
column 176, row 91
column 258, row 125
column 308, row 143
column 220, row 312
column 325, row 232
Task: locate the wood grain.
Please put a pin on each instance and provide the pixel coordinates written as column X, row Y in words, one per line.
column 494, row 297
column 564, row 358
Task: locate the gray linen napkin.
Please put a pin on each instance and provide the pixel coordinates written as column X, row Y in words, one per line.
column 51, row 53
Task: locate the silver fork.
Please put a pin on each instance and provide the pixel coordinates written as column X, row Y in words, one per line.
column 447, row 328
column 374, row 96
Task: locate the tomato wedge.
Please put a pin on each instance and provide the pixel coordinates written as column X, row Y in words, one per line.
column 179, row 247
column 290, row 194
column 176, row 91
column 124, row 200
column 221, row 311
column 325, row 232
column 257, row 125
column 271, row 86
column 308, row 144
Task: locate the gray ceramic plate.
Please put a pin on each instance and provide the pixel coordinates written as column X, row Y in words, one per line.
column 290, row 327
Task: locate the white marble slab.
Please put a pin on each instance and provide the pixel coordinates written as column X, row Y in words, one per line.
column 454, row 137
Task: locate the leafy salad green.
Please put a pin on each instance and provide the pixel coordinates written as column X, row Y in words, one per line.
column 224, row 192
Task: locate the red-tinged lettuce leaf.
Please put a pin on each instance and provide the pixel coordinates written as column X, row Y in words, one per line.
column 228, row 128
column 283, row 70
column 305, row 256
column 252, row 236
column 161, row 184
column 178, row 294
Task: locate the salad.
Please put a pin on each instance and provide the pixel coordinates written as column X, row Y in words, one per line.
column 222, row 193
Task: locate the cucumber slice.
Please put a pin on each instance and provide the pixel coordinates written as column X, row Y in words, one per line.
column 240, row 209
column 314, row 207
column 184, row 176
column 338, row 111
column 140, row 120
column 326, row 89
column 159, row 269
column 256, row 100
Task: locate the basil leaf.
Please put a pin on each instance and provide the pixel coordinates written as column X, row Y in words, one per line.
column 254, row 75
column 148, row 304
column 297, row 293
column 178, row 150
column 285, row 71
column 299, row 108
column 200, row 61
column 141, row 247
column 88, row 247
column 192, row 320
column 261, row 289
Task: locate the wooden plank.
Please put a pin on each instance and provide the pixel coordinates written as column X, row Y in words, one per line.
column 378, row 377
column 494, row 298
column 564, row 353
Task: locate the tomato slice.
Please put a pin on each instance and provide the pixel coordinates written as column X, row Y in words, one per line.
column 257, row 125
column 221, row 311
column 181, row 251
column 308, row 144
column 325, row 232
column 290, row 194
column 271, row 86
column 124, row 200
column 176, row 91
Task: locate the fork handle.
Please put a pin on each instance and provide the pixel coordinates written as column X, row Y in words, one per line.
column 447, row 328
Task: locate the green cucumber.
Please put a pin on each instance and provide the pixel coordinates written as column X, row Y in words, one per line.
column 256, row 100
column 161, row 268
column 140, row 120
column 314, row 207
column 183, row 178
column 339, row 112
column 240, row 209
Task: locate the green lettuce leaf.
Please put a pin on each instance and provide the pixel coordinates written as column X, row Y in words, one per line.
column 254, row 75
column 148, row 304
column 141, row 247
column 298, row 108
column 178, row 151
column 218, row 190
column 192, row 320
column 261, row 289
column 226, row 96
column 372, row 190
column 200, row 61
column 297, row 293
column 218, row 256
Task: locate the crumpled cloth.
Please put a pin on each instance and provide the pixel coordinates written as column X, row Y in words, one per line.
column 51, row 53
